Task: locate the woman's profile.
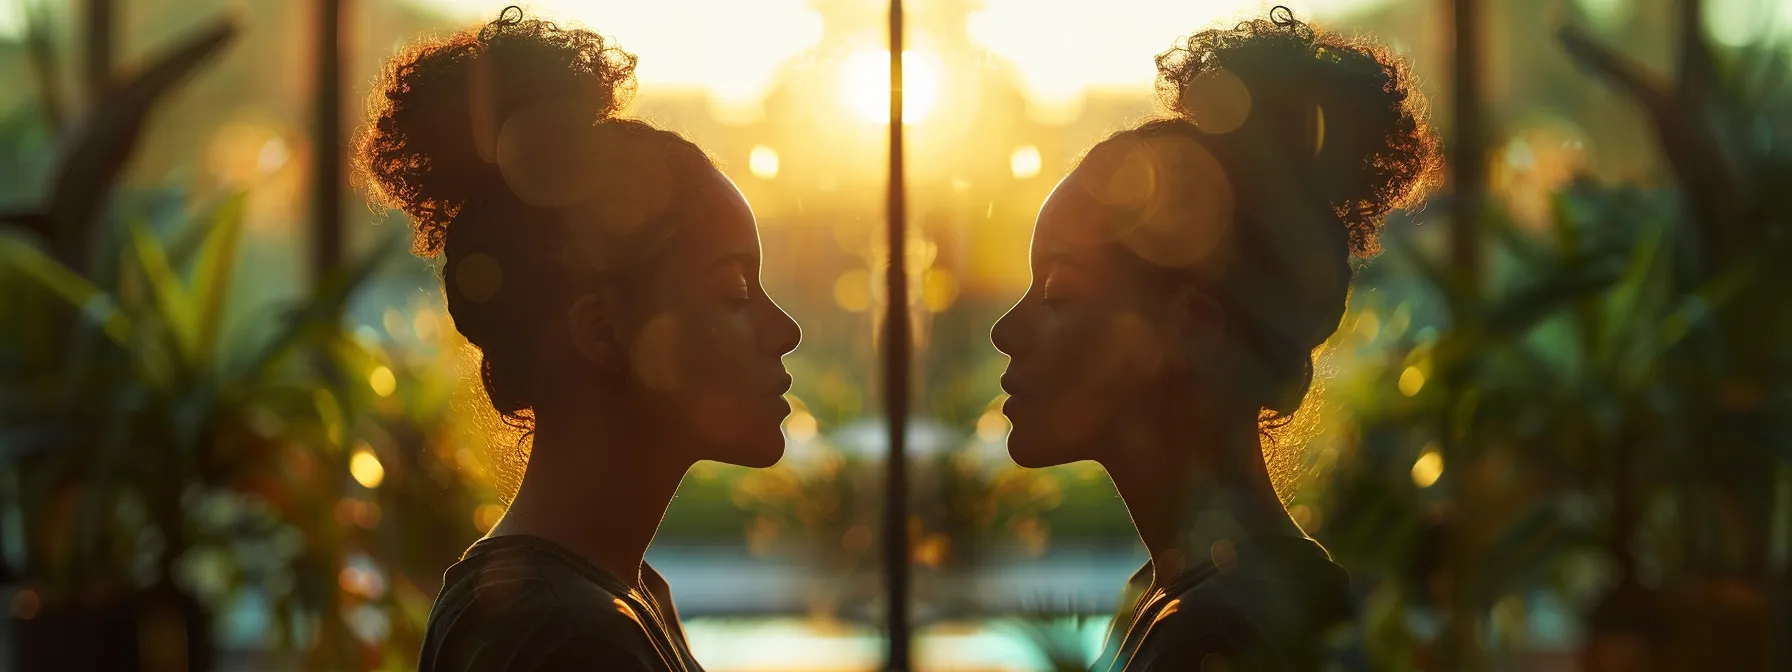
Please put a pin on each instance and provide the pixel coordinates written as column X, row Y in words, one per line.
column 1183, row 275
column 608, row 274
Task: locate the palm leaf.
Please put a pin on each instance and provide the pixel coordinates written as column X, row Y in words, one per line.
column 95, row 306
column 212, row 272
column 87, row 171
column 173, row 309
column 321, row 314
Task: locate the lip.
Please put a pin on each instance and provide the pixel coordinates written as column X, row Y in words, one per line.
column 782, row 387
column 1013, row 388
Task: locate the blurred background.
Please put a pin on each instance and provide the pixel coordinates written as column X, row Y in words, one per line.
column 237, row 430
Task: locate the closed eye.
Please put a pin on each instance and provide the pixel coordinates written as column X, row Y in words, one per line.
column 1063, row 282
column 731, row 277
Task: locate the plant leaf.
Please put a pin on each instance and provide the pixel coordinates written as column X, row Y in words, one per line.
column 95, row 306
column 102, row 145
column 174, row 310
column 212, row 273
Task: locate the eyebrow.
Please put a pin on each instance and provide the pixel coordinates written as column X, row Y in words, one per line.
column 743, row 258
column 1065, row 259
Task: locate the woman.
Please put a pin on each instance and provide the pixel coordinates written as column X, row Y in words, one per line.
column 609, row 276
column 1183, row 275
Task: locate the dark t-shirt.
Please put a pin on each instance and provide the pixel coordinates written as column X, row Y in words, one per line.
column 518, row 603
column 1268, row 607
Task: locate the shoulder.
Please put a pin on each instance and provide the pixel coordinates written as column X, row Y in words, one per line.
column 513, row 607
column 1270, row 609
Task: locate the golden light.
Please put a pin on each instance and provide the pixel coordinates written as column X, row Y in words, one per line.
column 382, row 381
column 763, row 162
column 939, row 289
column 393, row 322
column 424, row 324
column 992, row 425
column 366, row 468
column 1025, row 162
column 1411, row 381
column 1114, row 49
column 678, row 53
column 364, row 582
column 865, row 85
column 1428, row 468
column 273, row 155
column 487, row 516
column 800, row 426
column 852, row 290
column 1306, row 517
column 1217, row 102
column 243, row 152
column 1369, row 326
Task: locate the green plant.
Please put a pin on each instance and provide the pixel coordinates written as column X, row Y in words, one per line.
column 1607, row 420
column 168, row 462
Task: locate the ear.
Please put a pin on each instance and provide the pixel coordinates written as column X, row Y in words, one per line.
column 595, row 328
column 1197, row 327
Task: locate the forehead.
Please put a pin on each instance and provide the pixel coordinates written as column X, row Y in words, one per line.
column 1166, row 199
column 715, row 220
column 1070, row 222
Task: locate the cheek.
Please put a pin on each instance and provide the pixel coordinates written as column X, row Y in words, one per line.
column 658, row 354
column 1107, row 364
column 1104, row 352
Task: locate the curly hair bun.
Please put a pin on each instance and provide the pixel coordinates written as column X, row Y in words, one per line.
column 1290, row 109
column 1344, row 107
column 438, row 116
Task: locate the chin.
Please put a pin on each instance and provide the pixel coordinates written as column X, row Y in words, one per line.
column 1034, row 453
column 757, row 452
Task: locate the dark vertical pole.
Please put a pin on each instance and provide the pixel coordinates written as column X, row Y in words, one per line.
column 1695, row 56
column 896, row 372
column 44, row 66
column 327, row 158
column 97, row 68
column 1468, row 166
column 1469, row 163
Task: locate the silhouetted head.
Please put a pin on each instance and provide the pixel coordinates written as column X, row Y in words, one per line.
column 1201, row 259
column 602, row 266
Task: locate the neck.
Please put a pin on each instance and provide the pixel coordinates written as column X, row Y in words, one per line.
column 588, row 489
column 1214, row 491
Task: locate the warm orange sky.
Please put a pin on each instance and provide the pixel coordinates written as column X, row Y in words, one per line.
column 1061, row 47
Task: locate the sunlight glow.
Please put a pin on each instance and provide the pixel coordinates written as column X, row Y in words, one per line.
column 733, row 53
column 865, row 85
column 1411, row 381
column 366, row 468
column 992, row 426
column 487, row 516
column 939, row 289
column 852, row 290
column 1025, row 162
column 382, row 381
column 1064, row 48
column 800, row 426
column 1428, row 468
column 763, row 162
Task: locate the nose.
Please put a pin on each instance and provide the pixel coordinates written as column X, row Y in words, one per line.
column 1006, row 332
column 781, row 334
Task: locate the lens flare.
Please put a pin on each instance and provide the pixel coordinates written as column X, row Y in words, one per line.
column 763, row 162
column 366, row 468
column 865, row 85
column 1025, row 162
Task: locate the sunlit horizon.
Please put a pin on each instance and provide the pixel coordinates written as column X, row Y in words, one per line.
column 865, row 84
column 733, row 52
column 1058, row 50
